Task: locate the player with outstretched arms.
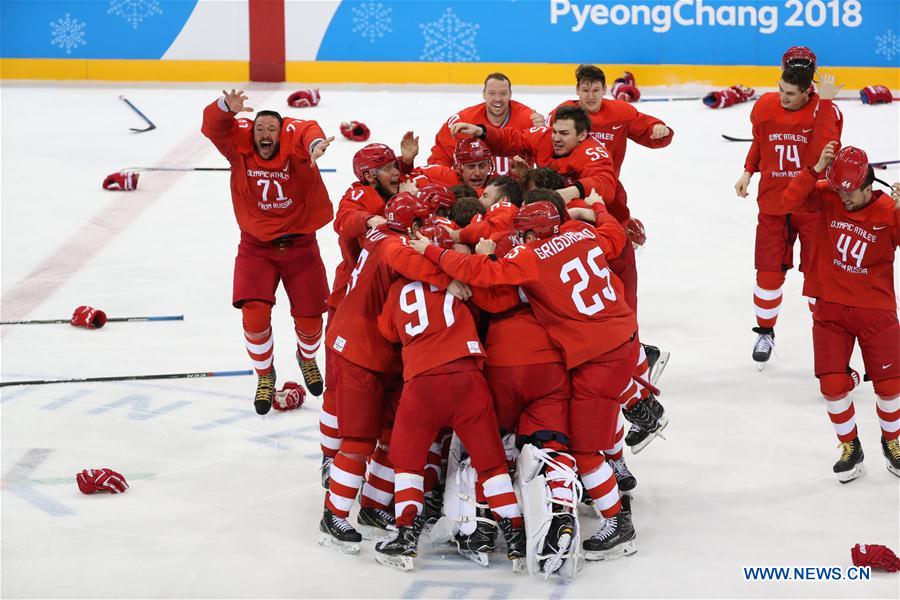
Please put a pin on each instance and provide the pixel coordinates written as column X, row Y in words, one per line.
column 790, row 128
column 279, row 202
column 498, row 109
column 851, row 276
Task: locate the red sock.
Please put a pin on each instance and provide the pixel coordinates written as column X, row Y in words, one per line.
column 309, row 336
column 256, row 317
column 767, row 297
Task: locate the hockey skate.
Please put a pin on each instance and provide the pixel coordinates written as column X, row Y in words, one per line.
column 891, row 450
column 265, row 393
column 325, row 470
column 401, row 549
column 624, row 477
column 649, row 419
column 480, row 542
column 311, row 375
column 765, row 343
column 850, row 465
column 656, row 362
column 375, row 523
column 615, row 539
column 338, row 533
column 560, row 538
column 515, row 544
column 434, row 502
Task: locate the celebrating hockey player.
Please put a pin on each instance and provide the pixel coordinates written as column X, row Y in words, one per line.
column 280, row 202
column 498, row 109
column 790, row 128
column 851, row 276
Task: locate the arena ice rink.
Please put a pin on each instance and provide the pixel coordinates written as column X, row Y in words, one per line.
column 225, row 503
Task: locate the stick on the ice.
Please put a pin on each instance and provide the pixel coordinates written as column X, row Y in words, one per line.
column 884, row 163
column 185, row 169
column 110, row 320
column 736, row 139
column 142, row 115
column 132, row 378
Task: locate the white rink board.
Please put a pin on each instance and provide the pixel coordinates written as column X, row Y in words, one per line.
column 224, row 503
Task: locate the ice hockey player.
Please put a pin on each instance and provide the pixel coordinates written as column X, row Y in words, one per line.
column 280, row 202
column 851, row 277
column 790, row 128
column 501, row 199
column 473, row 166
column 498, row 109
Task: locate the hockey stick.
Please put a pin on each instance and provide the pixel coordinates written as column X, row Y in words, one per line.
column 142, row 115
column 132, row 378
column 735, row 139
column 185, row 169
column 111, row 320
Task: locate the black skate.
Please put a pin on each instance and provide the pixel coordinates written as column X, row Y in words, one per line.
column 557, row 544
column 400, row 550
column 615, row 539
column 480, row 542
column 849, row 465
column 765, row 343
column 649, row 419
column 656, row 362
column 311, row 375
column 434, row 503
column 891, row 450
column 325, row 470
column 625, row 478
column 265, row 393
column 515, row 544
column 338, row 533
column 375, row 523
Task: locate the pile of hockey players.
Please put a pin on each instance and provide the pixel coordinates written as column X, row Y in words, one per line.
column 482, row 350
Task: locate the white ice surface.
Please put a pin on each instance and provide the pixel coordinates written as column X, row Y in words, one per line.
column 224, row 503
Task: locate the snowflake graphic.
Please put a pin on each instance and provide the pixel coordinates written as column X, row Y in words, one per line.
column 67, row 33
column 372, row 20
column 449, row 39
column 888, row 44
column 134, row 11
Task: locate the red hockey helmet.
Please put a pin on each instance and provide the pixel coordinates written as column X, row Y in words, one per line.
column 439, row 236
column 471, row 150
column 370, row 157
column 849, row 170
column 540, row 217
column 403, row 209
column 436, row 196
column 799, row 56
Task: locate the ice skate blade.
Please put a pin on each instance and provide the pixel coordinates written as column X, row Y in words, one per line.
column 659, row 366
column 663, row 423
column 848, row 476
column 554, row 562
column 369, row 532
column 892, row 469
column 326, row 541
column 479, row 558
column 621, row 551
column 401, row 563
column 519, row 565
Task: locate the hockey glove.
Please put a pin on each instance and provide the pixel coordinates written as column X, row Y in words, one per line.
column 355, row 130
column 875, row 94
column 91, row 481
column 728, row 97
column 304, row 98
column 125, row 182
column 875, row 556
column 289, row 397
column 89, row 317
column 634, row 229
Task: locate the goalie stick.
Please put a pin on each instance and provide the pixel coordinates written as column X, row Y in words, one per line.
column 142, row 115
column 110, row 320
column 200, row 375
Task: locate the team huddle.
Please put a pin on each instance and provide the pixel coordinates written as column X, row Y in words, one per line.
column 483, row 352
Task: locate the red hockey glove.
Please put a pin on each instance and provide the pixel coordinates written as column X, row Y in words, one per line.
column 304, row 98
column 289, row 397
column 89, row 317
column 355, row 130
column 91, row 481
column 439, row 236
column 121, row 181
column 728, row 97
column 875, row 94
column 875, row 556
column 634, row 229
column 623, row 90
